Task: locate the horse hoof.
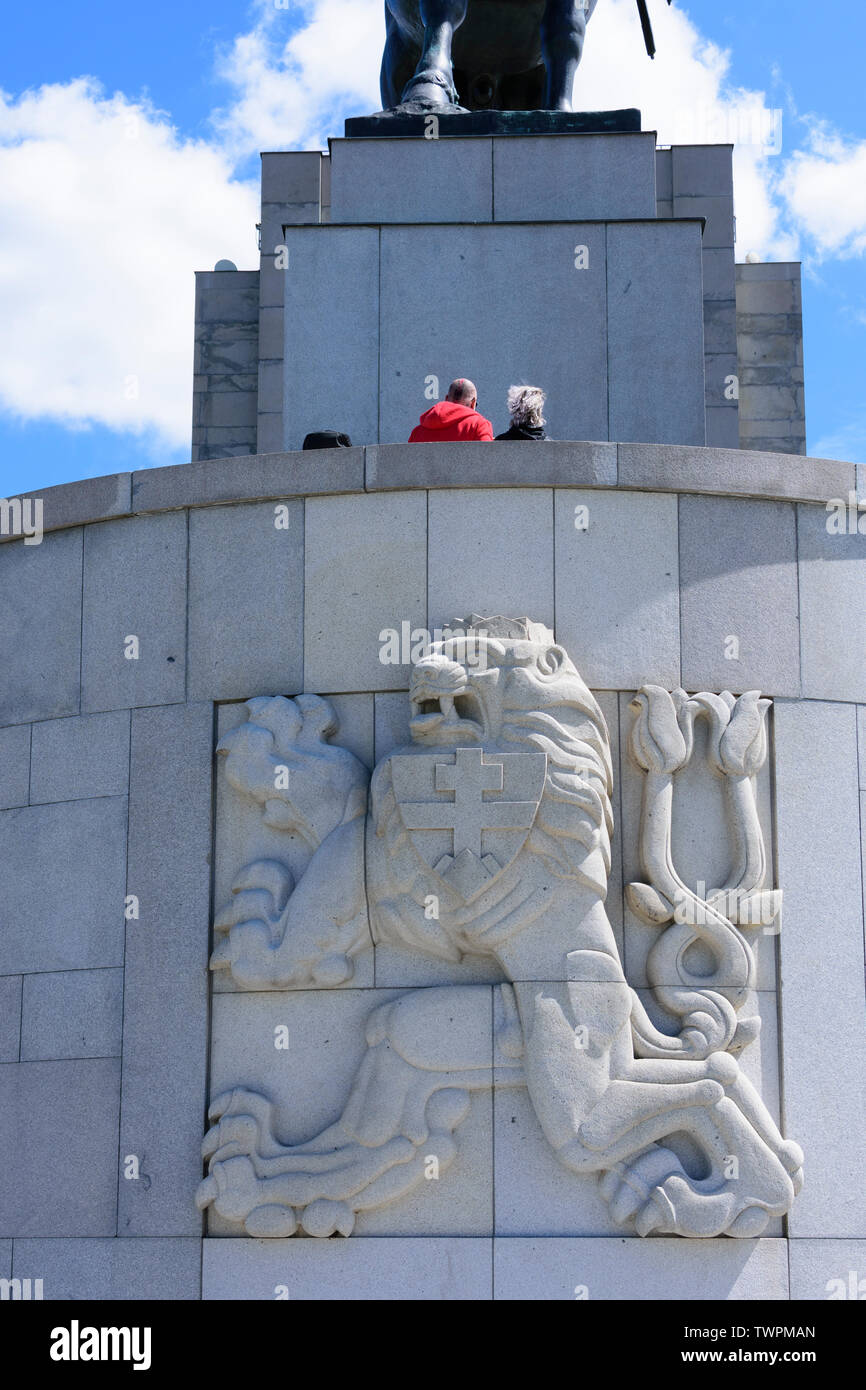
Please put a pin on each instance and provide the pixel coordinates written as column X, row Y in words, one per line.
column 429, row 91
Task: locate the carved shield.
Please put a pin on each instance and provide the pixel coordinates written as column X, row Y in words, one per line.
column 468, row 812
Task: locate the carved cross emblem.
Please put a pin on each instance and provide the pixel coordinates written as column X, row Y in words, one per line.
column 469, row 812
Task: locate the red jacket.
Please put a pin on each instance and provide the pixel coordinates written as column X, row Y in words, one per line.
column 447, row 420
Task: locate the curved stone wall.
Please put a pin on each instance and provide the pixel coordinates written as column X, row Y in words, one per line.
column 158, row 601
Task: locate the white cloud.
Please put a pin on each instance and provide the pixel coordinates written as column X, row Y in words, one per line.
column 106, row 211
column 292, row 93
column 824, row 187
column 105, row 214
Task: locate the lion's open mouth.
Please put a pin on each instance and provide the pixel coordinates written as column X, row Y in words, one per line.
column 445, row 714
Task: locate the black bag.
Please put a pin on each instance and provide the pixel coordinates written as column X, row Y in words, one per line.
column 327, row 439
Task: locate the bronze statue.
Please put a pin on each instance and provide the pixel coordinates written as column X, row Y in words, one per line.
column 508, row 55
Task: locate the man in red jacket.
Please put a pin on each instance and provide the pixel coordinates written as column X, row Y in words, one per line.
column 454, row 418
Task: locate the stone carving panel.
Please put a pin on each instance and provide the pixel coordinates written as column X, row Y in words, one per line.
column 488, row 835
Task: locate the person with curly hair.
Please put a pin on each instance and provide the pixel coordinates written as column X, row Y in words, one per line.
column 525, row 406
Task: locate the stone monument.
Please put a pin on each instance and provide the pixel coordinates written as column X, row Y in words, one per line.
column 470, row 832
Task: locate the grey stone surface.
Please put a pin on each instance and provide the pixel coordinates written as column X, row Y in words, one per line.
column 770, row 338
column 166, row 988
column 534, row 1192
column 331, row 290
column 85, row 756
column 40, row 633
column 609, row 703
column 485, row 268
column 6, row 1258
column 10, row 1017
column 411, row 181
column 226, row 408
column 490, row 553
column 227, row 349
column 832, row 608
column 310, row 1084
column 391, row 722
column 719, row 273
column 738, row 579
column 100, row 1269
column 723, row 427
column 823, row 1025
column 90, row 499
column 733, row 471
column 603, row 178
column 628, row 553
column 58, row 1148
column 273, row 474
column 401, row 968
column 326, row 187
column 720, row 325
column 664, row 175
column 401, row 1269
column 271, row 387
column 655, row 333
column 226, row 358
column 269, row 433
column 292, row 178
column 226, row 443
column 718, row 212
column 719, row 368
column 861, row 744
column 356, row 716
column 504, row 464
column 379, row 544
column 134, row 585
column 14, row 766
column 249, row 479
column 271, row 332
column 658, row 1269
column 702, row 170
column 460, row 1200
column 72, row 1013
column 770, row 270
column 246, row 600
column 823, row 1270
column 229, row 297
column 63, row 870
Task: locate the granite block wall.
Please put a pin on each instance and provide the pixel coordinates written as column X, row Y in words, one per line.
column 770, row 348
column 117, row 842
column 226, row 365
column 697, row 181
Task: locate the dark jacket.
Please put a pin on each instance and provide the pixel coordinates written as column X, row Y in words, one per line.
column 448, row 420
column 523, row 432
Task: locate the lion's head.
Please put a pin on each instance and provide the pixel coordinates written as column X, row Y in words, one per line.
column 505, row 686
column 504, row 681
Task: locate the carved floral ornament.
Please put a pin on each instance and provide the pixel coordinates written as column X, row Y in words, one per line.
column 489, row 835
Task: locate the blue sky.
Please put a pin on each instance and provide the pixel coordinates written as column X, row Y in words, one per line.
column 113, row 192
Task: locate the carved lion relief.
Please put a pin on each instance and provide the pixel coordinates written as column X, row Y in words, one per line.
column 489, row 835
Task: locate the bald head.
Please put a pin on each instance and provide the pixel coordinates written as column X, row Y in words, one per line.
column 462, row 392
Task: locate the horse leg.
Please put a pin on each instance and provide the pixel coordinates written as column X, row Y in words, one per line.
column 433, row 80
column 562, row 34
column 397, row 49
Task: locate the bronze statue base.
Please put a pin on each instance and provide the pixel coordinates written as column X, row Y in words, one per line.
column 454, row 123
